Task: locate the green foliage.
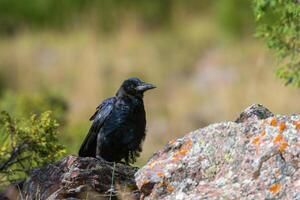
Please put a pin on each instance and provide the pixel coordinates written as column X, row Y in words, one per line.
column 234, row 16
column 279, row 25
column 30, row 141
column 26, row 145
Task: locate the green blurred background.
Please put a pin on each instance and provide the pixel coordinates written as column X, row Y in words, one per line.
column 67, row 56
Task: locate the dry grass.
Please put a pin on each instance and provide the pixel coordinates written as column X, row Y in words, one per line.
column 201, row 78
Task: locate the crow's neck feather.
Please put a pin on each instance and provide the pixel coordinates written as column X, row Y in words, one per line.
column 122, row 93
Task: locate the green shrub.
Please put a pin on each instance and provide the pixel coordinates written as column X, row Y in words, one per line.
column 279, row 25
column 27, row 144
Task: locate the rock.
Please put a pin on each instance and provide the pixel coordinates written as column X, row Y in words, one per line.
column 3, row 196
column 256, row 157
column 12, row 191
column 81, row 178
column 255, row 111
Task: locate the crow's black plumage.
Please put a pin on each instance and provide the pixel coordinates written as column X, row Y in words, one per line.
column 119, row 122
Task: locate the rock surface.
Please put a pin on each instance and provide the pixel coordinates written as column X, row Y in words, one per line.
column 81, row 178
column 254, row 112
column 256, row 157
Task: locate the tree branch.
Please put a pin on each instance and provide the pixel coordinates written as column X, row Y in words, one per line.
column 11, row 160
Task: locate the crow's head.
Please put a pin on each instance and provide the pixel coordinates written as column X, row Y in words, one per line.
column 134, row 87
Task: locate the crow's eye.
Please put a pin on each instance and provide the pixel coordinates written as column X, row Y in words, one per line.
column 131, row 87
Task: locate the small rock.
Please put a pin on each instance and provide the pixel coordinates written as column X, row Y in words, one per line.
column 255, row 111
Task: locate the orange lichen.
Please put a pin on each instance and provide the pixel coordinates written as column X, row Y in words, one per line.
column 177, row 155
column 296, row 124
column 189, row 143
column 170, row 188
column 263, row 133
column 175, row 158
column 275, row 188
column 151, row 164
column 282, row 126
column 256, row 140
column 183, row 151
column 145, row 181
column 160, row 174
column 161, row 184
column 273, row 122
column 278, row 138
column 283, row 145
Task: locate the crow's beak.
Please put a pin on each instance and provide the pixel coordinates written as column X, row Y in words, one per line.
column 144, row 87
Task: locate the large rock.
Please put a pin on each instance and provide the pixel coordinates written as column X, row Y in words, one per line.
column 252, row 158
column 254, row 112
column 81, row 178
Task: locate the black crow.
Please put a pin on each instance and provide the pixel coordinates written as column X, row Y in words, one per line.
column 119, row 123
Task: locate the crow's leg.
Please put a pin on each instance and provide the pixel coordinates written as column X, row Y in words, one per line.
column 112, row 191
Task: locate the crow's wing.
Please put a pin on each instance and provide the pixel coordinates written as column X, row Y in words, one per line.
column 88, row 147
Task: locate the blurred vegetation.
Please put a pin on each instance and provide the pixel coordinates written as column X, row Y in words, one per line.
column 279, row 25
column 23, row 105
column 108, row 15
column 27, row 144
column 234, row 17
